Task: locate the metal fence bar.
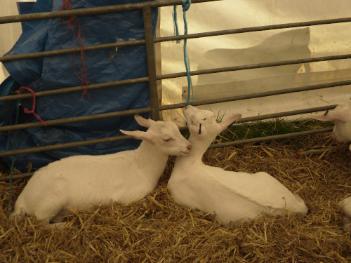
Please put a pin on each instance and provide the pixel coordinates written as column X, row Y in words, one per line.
column 259, row 94
column 110, row 139
column 58, row 91
column 217, row 145
column 65, row 51
column 255, row 66
column 151, row 63
column 273, row 137
column 100, row 116
column 63, row 145
column 282, row 114
column 287, row 113
column 94, row 10
column 255, row 29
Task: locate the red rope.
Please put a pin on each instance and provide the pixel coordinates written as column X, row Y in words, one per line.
column 67, row 5
column 34, row 104
column 75, row 27
column 83, row 65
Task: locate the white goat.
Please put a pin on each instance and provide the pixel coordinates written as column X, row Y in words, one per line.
column 81, row 182
column 232, row 196
column 341, row 116
column 346, row 208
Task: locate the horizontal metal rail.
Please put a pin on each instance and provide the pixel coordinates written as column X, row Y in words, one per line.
column 114, row 138
column 255, row 29
column 255, row 66
column 287, row 113
column 272, row 137
column 63, row 145
column 216, row 145
column 65, row 51
column 259, row 94
column 91, row 117
column 58, row 91
column 94, row 10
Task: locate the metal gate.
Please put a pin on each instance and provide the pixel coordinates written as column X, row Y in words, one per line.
column 154, row 108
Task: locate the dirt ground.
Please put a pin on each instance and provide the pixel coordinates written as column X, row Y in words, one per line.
column 156, row 229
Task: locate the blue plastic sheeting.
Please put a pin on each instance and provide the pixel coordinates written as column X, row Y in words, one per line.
column 64, row 71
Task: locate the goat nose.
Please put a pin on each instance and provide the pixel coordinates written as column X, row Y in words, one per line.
column 189, row 147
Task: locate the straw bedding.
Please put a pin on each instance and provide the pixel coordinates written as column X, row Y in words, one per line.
column 155, row 229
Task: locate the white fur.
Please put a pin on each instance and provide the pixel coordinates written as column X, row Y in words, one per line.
column 341, row 116
column 346, row 208
column 81, row 182
column 232, row 196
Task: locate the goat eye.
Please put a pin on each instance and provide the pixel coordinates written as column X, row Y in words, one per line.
column 204, row 119
column 168, row 139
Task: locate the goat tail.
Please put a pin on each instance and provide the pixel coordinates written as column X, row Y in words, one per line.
column 19, row 210
column 301, row 205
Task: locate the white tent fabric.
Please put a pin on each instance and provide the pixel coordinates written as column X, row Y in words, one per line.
column 258, row 47
column 9, row 33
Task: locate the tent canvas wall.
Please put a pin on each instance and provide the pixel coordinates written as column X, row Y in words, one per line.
column 259, row 47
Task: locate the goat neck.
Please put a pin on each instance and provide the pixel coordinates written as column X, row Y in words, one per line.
column 199, row 147
column 151, row 160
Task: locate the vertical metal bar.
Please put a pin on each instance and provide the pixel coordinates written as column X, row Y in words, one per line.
column 151, row 62
column 158, row 59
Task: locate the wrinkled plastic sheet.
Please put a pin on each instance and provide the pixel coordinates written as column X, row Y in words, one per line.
column 65, row 71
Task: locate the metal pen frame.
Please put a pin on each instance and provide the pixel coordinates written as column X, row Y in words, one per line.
column 154, row 107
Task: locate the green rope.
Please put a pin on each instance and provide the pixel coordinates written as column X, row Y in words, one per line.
column 176, row 28
column 186, row 5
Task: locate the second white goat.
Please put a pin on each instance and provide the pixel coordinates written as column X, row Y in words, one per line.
column 341, row 117
column 232, row 196
column 345, row 205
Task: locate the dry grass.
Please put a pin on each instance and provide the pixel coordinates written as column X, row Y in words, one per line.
column 157, row 230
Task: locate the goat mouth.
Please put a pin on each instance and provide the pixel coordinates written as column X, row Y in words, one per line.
column 199, row 128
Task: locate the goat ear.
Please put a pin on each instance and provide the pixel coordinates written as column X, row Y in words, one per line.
column 321, row 118
column 180, row 122
column 192, row 107
column 335, row 115
column 228, row 120
column 140, row 135
column 142, row 121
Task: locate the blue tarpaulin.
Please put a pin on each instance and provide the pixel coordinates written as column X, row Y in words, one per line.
column 65, row 71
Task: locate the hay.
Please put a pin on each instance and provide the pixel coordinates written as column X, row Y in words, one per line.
column 157, row 230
